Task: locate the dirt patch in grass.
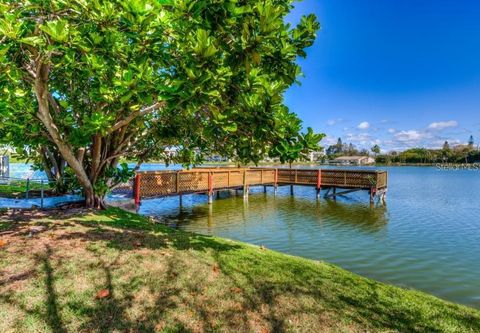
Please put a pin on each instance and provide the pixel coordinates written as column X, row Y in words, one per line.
column 78, row 271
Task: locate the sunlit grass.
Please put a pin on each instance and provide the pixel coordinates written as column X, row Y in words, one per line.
column 17, row 188
column 53, row 267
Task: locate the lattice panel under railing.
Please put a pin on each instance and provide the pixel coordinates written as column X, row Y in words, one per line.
column 307, row 176
column 204, row 180
column 236, row 178
column 253, row 177
column 158, row 184
column 382, row 179
column 286, row 175
column 269, row 176
column 193, row 181
column 349, row 178
column 220, row 180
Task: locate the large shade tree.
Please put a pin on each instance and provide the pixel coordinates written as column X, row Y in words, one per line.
column 96, row 81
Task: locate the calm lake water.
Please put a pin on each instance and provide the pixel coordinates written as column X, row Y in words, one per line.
column 427, row 237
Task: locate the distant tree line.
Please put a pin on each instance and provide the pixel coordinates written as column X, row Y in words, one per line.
column 465, row 153
column 344, row 149
column 468, row 153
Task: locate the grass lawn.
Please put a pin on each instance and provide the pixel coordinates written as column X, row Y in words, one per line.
column 75, row 271
column 17, row 188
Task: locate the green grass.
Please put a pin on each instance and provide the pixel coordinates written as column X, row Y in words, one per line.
column 159, row 279
column 17, row 188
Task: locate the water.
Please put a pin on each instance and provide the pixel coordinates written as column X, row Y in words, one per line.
column 427, row 237
column 24, row 170
column 51, row 202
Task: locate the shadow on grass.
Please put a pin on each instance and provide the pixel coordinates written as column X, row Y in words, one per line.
column 265, row 281
column 127, row 231
column 357, row 299
column 53, row 316
column 51, row 312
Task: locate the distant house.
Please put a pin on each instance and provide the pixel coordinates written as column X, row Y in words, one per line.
column 354, row 160
column 171, row 151
column 315, row 155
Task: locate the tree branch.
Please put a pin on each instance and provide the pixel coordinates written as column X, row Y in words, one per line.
column 136, row 114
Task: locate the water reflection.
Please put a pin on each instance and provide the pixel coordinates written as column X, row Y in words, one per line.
column 230, row 209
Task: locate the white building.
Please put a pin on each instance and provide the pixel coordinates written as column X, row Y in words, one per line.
column 354, row 160
column 315, row 155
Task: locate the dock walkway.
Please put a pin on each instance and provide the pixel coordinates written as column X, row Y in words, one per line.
column 149, row 184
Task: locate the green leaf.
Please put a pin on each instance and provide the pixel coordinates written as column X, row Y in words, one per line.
column 33, row 41
column 230, row 127
column 126, row 98
column 57, row 30
column 3, row 52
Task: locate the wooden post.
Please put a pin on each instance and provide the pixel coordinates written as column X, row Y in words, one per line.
column 275, row 182
column 27, row 188
column 41, row 193
column 136, row 189
column 319, row 182
column 210, row 187
column 384, row 197
column 245, row 185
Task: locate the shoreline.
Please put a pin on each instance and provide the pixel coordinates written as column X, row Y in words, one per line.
column 230, row 277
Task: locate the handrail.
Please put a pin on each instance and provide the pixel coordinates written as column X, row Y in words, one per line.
column 176, row 182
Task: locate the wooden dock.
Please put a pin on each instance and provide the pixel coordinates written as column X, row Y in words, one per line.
column 150, row 184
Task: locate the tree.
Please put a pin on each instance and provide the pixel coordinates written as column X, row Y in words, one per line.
column 446, row 146
column 97, row 81
column 336, row 149
column 446, row 151
column 299, row 147
column 339, row 146
column 376, row 149
column 471, row 142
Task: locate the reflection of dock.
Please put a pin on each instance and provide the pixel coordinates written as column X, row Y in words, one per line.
column 150, row 184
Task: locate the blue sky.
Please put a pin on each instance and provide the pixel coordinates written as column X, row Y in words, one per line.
column 400, row 73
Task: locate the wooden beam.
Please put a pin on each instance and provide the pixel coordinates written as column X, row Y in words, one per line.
column 334, row 194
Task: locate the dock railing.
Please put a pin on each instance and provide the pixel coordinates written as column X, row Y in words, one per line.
column 206, row 180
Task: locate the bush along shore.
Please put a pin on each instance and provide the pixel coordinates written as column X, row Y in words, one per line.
column 114, row 271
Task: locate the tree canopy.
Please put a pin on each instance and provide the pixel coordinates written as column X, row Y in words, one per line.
column 91, row 82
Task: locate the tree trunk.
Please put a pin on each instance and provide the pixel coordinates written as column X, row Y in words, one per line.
column 92, row 200
column 41, row 91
